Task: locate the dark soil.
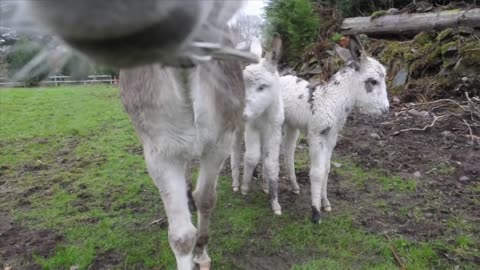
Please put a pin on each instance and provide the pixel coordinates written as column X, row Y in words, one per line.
column 443, row 161
column 18, row 244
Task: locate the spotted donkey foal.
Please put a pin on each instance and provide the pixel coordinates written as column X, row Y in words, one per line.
column 322, row 110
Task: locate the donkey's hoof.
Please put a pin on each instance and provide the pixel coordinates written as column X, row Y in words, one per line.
column 316, row 216
column 277, row 212
column 265, row 190
column 296, row 191
column 202, row 262
column 235, row 189
column 205, row 266
column 327, row 208
column 202, row 266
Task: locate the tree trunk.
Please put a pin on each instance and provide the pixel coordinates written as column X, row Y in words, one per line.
column 411, row 24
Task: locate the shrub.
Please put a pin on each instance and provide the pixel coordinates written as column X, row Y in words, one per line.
column 297, row 24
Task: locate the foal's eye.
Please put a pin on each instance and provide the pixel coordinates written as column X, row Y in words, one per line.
column 261, row 87
column 373, row 82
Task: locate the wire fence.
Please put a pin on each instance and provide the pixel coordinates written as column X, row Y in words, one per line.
column 58, row 80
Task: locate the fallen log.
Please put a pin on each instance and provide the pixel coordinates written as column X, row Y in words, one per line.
column 411, row 24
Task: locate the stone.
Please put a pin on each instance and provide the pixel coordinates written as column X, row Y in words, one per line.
column 336, row 164
column 401, row 77
column 418, row 113
column 417, row 174
column 375, row 136
column 446, row 133
column 464, row 178
column 396, row 99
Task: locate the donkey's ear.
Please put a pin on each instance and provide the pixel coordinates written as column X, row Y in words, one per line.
column 356, row 49
column 256, row 47
column 274, row 54
column 345, row 54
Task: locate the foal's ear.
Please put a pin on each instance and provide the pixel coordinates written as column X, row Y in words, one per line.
column 356, row 49
column 256, row 47
column 344, row 54
column 274, row 53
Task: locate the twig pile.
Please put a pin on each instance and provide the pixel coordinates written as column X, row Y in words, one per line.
column 466, row 112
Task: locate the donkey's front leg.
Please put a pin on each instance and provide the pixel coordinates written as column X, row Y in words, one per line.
column 168, row 173
column 271, row 150
column 318, row 172
column 205, row 196
column 328, row 156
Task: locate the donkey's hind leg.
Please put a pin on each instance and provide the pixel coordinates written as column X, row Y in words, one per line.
column 168, row 173
column 205, row 196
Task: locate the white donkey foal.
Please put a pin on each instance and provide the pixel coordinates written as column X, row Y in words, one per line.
column 322, row 110
column 264, row 117
column 179, row 112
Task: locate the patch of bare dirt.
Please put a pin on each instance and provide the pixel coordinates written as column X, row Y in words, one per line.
column 18, row 244
column 442, row 160
column 107, row 260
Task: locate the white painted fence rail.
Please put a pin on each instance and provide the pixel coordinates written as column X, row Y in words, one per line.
column 58, row 80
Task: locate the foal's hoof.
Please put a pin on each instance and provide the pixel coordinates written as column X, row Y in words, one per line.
column 265, row 190
column 277, row 209
column 327, row 208
column 235, row 189
column 296, row 191
column 316, row 216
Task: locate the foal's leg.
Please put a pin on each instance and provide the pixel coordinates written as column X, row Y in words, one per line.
column 236, row 157
column 205, row 196
column 318, row 172
column 271, row 149
column 264, row 182
column 251, row 158
column 289, row 144
column 325, row 202
column 168, row 173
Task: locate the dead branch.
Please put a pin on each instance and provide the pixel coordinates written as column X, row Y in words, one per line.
column 435, row 118
column 471, row 105
column 395, row 255
column 410, row 24
column 437, row 101
column 159, row 221
column 469, row 128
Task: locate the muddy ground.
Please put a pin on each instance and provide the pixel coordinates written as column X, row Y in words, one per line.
column 443, row 162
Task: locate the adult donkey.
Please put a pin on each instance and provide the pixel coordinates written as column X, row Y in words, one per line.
column 182, row 104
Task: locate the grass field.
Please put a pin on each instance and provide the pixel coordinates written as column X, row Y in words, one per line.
column 73, row 176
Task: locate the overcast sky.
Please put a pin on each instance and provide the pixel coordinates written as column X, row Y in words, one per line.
column 254, row 7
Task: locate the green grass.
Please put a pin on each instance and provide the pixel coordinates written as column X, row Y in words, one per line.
column 74, row 151
column 387, row 182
